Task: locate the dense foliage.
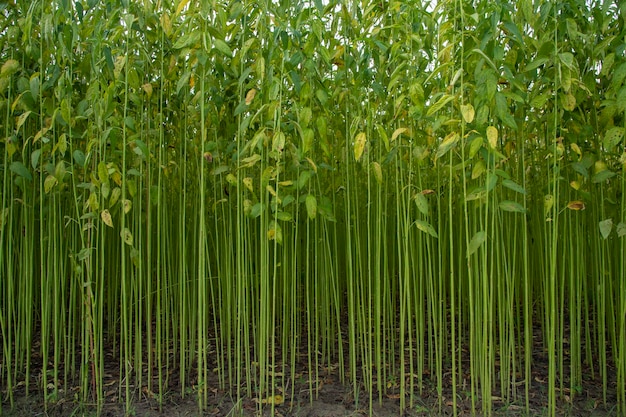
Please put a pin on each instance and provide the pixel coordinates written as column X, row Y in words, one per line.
column 403, row 188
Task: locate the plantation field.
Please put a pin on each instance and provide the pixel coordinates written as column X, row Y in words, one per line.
column 386, row 207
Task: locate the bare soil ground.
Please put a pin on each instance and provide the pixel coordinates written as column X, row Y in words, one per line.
column 328, row 398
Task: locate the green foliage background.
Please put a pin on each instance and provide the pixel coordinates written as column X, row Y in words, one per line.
column 397, row 187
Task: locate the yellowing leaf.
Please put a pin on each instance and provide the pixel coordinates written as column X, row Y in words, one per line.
column 9, row 68
column 276, row 400
column 22, row 119
column 274, row 232
column 378, row 173
column 445, row 99
column 426, row 227
column 147, row 87
column 127, row 236
column 250, row 161
column 575, row 185
column 166, row 23
column 548, row 203
column 250, row 96
column 397, row 133
column 231, row 179
column 359, row 145
column 127, row 205
column 492, row 136
column 181, row 6
column 447, row 144
column 92, row 202
column 106, row 217
column 49, row 183
column 248, row 183
column 311, row 206
column 278, row 142
column 467, row 110
column 120, row 61
column 479, row 169
column 576, row 205
column 576, row 149
column 569, row 102
column 310, row 161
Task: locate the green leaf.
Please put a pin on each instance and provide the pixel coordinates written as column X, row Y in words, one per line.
column 567, row 59
column 536, row 63
column 487, row 59
column 426, row 228
column 602, row 176
column 477, row 240
column 221, row 169
column 383, row 135
column 311, row 206
column 34, row 158
column 491, row 182
column 79, row 158
column 283, row 216
column 182, row 81
column 514, row 31
column 241, row 107
column 141, row 149
column 422, row 203
column 512, row 185
column 613, row 137
column 256, row 210
column 580, row 168
column 512, row 206
column 223, row 47
column 475, row 146
column 304, row 178
column 605, row 228
column 618, row 76
column 20, row 169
